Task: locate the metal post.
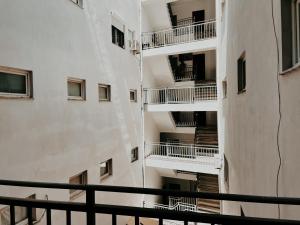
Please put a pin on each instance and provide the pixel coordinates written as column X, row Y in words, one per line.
column 90, row 203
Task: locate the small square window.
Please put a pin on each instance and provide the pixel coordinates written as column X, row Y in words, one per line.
column 242, row 73
column 134, row 154
column 81, row 178
column 76, row 89
column 117, row 37
column 20, row 214
column 133, row 95
column 105, row 169
column 15, row 83
column 104, row 92
column 78, row 2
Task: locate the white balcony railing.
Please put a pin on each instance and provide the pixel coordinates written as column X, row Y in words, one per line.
column 181, row 95
column 180, row 206
column 179, row 35
column 181, row 151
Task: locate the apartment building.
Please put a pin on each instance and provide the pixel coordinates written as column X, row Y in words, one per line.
column 181, row 96
column 69, row 98
column 261, row 76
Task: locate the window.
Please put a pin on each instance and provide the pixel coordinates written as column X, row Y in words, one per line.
column 242, row 73
column 76, row 89
column 290, row 33
column 105, row 169
column 224, row 87
column 20, row 214
column 226, row 173
column 134, row 154
column 133, row 95
column 117, row 37
column 78, row 2
column 81, row 178
column 15, row 82
column 104, row 92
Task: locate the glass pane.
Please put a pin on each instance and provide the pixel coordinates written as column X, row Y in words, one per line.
column 103, row 93
column 74, row 89
column 11, row 83
column 132, row 95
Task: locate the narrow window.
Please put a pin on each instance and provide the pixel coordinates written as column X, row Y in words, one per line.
column 298, row 30
column 133, row 95
column 242, row 73
column 134, row 154
column 15, row 83
column 76, row 89
column 104, row 92
column 224, row 86
column 20, row 214
column 81, row 178
column 226, row 173
column 105, row 169
column 78, row 2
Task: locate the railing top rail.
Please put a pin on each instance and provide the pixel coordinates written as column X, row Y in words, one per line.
column 183, row 145
column 185, row 87
column 151, row 191
column 179, row 27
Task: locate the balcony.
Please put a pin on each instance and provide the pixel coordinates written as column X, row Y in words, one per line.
column 180, row 39
column 89, row 208
column 193, row 158
column 197, row 98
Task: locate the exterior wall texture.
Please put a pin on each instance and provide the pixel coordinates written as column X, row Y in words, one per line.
column 51, row 138
column 251, row 118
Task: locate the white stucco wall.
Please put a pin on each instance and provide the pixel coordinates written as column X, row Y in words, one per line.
column 252, row 117
column 50, row 138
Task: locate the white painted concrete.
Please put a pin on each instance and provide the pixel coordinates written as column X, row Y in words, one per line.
column 211, row 105
column 196, row 46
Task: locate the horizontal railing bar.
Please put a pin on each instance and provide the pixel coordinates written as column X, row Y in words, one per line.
column 152, row 191
column 187, row 215
column 43, row 204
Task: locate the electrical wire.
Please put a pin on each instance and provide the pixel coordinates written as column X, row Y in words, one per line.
column 279, row 109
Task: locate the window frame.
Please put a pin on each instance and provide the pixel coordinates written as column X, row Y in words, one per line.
column 28, row 82
column 83, row 176
column 82, row 83
column 115, row 36
column 109, row 165
column 134, row 91
column 108, row 92
column 134, row 154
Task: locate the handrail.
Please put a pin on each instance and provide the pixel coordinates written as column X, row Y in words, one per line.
column 183, row 95
column 179, row 35
column 91, row 208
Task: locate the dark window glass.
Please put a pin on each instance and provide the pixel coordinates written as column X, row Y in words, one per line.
column 117, row 37
column 241, row 74
column 12, row 83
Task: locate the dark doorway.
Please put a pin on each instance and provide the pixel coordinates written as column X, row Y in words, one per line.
column 198, row 16
column 199, row 67
column 201, row 119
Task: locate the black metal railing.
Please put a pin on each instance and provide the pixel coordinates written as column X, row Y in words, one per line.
column 91, row 208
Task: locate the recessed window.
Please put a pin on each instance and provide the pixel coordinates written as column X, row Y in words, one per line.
column 117, row 37
column 224, row 87
column 134, row 154
column 242, row 73
column 78, row 2
column 104, row 92
column 20, row 214
column 81, row 178
column 76, row 89
column 15, row 82
column 133, row 95
column 105, row 169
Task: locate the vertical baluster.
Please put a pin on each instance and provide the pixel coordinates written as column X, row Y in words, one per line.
column 12, row 215
column 114, row 219
column 68, row 217
column 29, row 216
column 137, row 220
column 48, row 214
column 90, row 203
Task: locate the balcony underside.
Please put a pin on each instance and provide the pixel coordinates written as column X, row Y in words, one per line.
column 196, row 46
column 210, row 105
column 201, row 165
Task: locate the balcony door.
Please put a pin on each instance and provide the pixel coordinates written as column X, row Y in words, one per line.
column 198, row 17
column 199, row 67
